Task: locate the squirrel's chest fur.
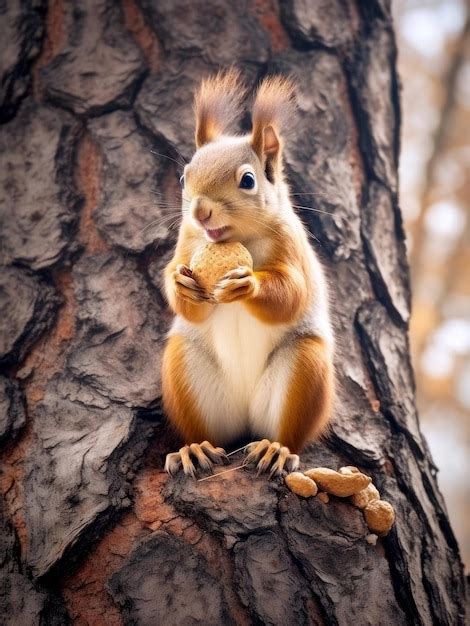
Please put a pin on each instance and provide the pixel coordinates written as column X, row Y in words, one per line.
column 241, row 344
column 225, row 360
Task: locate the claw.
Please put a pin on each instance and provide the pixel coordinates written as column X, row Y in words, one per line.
column 188, row 466
column 204, row 462
column 172, row 462
column 256, row 450
column 204, row 455
column 279, row 463
column 216, row 455
column 270, row 453
column 271, row 456
column 293, row 463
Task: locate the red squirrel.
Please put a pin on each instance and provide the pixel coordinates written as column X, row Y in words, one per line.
column 253, row 359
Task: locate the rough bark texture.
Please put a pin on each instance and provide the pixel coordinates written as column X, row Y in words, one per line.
column 92, row 530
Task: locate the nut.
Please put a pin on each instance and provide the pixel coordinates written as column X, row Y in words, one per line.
column 362, row 499
column 211, row 261
column 342, row 485
column 379, row 516
column 348, row 469
column 301, row 485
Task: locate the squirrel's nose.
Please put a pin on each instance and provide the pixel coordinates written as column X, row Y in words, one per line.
column 201, row 211
column 203, row 215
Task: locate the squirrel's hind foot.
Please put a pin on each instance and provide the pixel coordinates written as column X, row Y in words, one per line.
column 272, row 457
column 204, row 455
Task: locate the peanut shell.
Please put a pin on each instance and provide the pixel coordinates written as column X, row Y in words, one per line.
column 348, row 469
column 342, row 485
column 211, row 261
column 372, row 539
column 379, row 516
column 300, row 484
column 362, row 499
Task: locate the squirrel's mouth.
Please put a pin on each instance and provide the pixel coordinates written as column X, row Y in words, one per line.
column 215, row 234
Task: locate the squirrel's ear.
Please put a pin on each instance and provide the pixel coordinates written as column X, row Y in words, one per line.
column 274, row 104
column 217, row 104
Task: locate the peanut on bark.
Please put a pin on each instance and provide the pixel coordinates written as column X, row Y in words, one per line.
column 362, row 499
column 338, row 484
column 301, row 484
column 379, row 516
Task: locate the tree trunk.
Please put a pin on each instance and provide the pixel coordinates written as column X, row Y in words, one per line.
column 96, row 117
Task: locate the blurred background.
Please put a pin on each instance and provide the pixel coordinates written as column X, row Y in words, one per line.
column 434, row 64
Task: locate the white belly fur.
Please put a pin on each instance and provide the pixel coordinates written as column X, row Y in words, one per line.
column 241, row 345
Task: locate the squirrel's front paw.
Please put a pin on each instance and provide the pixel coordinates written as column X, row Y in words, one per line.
column 186, row 287
column 237, row 284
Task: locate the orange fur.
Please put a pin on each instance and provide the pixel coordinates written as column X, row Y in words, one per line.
column 273, row 107
column 178, row 402
column 217, row 104
column 274, row 102
column 309, row 396
column 281, row 295
column 284, row 284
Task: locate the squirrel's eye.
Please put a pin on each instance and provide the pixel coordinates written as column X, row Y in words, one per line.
column 247, row 181
column 182, row 181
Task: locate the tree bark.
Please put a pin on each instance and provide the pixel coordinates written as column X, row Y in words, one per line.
column 96, row 117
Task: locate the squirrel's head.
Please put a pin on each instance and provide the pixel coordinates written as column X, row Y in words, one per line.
column 233, row 188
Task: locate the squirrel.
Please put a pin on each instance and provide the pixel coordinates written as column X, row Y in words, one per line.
column 253, row 359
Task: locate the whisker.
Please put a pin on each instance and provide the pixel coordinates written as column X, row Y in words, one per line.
column 264, row 225
column 180, row 155
column 165, row 156
column 167, row 206
column 162, row 205
column 162, row 220
column 158, row 240
column 161, row 194
column 158, row 222
column 245, row 211
column 175, row 223
column 174, row 211
column 314, row 193
column 309, row 208
column 260, row 222
column 297, row 206
column 309, row 232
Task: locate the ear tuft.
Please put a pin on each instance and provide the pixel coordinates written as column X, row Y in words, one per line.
column 273, row 107
column 217, row 104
